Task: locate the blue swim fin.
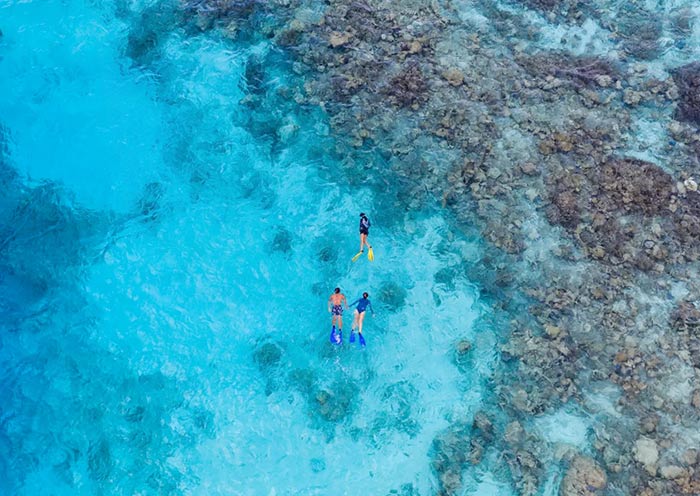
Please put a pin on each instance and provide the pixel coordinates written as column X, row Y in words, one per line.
column 362, row 340
column 339, row 337
column 333, row 339
column 352, row 335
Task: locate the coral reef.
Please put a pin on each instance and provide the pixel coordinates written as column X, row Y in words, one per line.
column 593, row 250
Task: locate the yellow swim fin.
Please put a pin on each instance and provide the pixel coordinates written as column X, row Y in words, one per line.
column 354, row 259
column 370, row 255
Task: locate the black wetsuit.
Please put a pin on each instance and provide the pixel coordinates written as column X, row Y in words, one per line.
column 364, row 225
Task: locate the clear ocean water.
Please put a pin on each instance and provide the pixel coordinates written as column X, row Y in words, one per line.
column 166, row 256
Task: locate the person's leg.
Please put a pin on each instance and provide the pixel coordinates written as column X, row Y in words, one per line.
column 360, row 319
column 363, row 241
column 354, row 326
column 336, row 334
column 334, row 337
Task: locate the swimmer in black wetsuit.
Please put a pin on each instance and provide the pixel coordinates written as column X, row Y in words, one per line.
column 362, row 305
column 364, row 231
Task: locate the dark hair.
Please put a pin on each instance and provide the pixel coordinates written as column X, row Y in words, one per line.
column 362, row 214
column 365, row 295
column 337, row 290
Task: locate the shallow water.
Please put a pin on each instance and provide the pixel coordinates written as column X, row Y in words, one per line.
column 173, row 337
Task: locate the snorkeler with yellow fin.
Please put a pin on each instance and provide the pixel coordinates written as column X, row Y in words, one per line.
column 364, row 232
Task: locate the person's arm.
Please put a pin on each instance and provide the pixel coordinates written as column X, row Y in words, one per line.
column 329, row 303
column 345, row 300
column 354, row 302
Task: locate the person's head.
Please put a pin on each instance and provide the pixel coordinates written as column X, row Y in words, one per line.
column 362, row 214
column 337, row 290
column 365, row 295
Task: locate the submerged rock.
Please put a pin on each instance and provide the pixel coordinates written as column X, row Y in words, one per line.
column 149, row 203
column 482, row 426
column 254, row 76
column 100, row 461
column 634, row 186
column 583, row 478
column 268, row 358
column 646, row 452
column 398, row 399
column 649, row 423
column 514, row 433
column 682, row 21
column 335, row 403
column 463, row 346
column 408, row 87
column 328, row 254
column 150, row 31
column 685, row 317
column 268, row 355
column 672, row 472
column 552, row 331
column 687, row 80
column 337, row 39
column 695, row 401
column 581, row 71
column 462, row 357
column 454, row 76
column 529, row 169
column 392, row 295
column 608, row 208
column 450, row 453
column 567, row 212
column 545, row 5
column 690, row 457
column 303, row 380
column 318, row 465
column 641, row 38
column 282, row 241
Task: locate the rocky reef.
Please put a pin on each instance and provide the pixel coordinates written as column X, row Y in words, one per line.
column 687, row 79
column 593, row 231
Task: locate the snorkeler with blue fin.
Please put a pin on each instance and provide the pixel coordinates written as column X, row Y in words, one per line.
column 335, row 307
column 359, row 316
column 365, row 224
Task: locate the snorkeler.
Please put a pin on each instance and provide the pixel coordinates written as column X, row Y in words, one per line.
column 365, row 224
column 335, row 307
column 359, row 317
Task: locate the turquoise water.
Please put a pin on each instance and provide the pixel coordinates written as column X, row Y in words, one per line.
column 169, row 246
